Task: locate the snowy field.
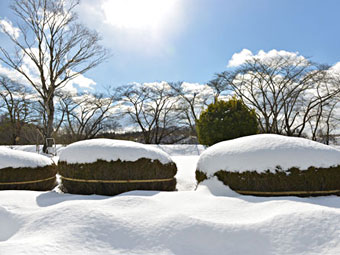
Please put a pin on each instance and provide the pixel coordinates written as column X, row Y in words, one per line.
column 210, row 220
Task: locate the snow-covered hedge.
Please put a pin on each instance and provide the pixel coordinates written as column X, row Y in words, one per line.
column 269, row 164
column 25, row 170
column 110, row 167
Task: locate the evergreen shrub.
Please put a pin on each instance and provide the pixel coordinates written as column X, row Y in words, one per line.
column 115, row 177
column 226, row 120
column 28, row 178
column 293, row 182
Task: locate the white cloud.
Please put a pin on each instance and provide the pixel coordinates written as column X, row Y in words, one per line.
column 158, row 85
column 6, row 26
column 246, row 55
column 240, row 58
column 82, row 81
column 29, row 68
column 196, row 88
column 12, row 74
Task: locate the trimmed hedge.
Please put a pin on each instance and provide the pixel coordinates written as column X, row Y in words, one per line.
column 225, row 120
column 26, row 178
column 115, row 177
column 293, row 182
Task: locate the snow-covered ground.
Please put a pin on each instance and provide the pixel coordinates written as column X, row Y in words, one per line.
column 185, row 222
column 185, row 176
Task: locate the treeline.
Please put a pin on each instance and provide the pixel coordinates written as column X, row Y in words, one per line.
column 149, row 113
column 290, row 95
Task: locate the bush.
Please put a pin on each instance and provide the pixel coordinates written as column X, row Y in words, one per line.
column 224, row 121
column 27, row 178
column 293, row 182
column 115, row 177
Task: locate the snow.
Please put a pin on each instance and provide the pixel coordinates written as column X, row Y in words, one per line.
column 15, row 159
column 180, row 149
column 185, row 178
column 266, row 152
column 216, row 187
column 90, row 151
column 190, row 222
column 210, row 220
column 173, row 149
column 32, row 148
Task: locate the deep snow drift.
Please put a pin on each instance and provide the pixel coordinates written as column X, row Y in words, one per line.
column 184, row 222
column 266, row 152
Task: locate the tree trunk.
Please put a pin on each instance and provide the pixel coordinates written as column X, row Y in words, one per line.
column 49, row 104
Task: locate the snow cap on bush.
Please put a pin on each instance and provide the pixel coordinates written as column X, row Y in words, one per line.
column 16, row 159
column 266, row 152
column 89, row 151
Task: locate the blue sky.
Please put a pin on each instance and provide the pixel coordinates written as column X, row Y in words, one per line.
column 193, row 39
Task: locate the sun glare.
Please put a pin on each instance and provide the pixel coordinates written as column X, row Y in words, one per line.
column 138, row 14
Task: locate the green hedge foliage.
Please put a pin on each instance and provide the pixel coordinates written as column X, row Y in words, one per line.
column 224, row 121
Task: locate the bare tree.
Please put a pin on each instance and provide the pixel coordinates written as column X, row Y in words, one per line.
column 219, row 85
column 192, row 98
column 325, row 121
column 326, row 117
column 285, row 91
column 16, row 105
column 56, row 46
column 153, row 108
column 87, row 115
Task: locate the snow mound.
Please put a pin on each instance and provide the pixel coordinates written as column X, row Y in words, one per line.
column 8, row 223
column 216, row 188
column 266, row 152
column 90, row 151
column 178, row 223
column 15, row 159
